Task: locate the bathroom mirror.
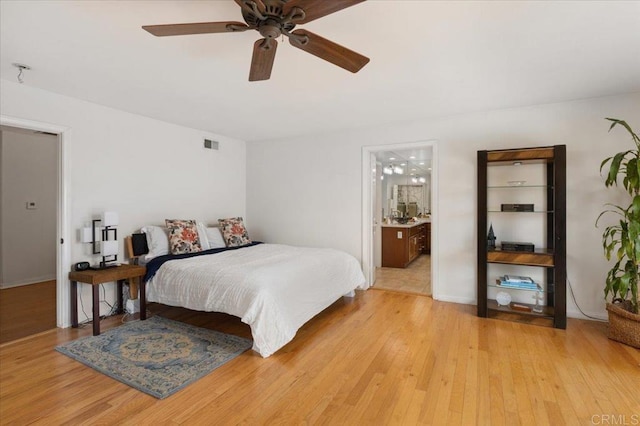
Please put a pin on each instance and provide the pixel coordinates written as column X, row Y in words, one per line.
column 406, row 187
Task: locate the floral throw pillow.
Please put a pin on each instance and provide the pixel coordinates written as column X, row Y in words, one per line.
column 183, row 236
column 233, row 232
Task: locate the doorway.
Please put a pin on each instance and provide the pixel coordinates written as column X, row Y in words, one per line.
column 400, row 183
column 62, row 250
column 28, row 212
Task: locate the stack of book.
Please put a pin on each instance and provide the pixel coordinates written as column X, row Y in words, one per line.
column 517, row 282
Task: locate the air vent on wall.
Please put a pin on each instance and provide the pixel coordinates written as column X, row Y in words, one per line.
column 209, row 144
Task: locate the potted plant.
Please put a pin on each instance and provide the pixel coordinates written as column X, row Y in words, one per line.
column 621, row 241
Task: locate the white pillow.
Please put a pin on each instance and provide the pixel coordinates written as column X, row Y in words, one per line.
column 202, row 236
column 157, row 241
column 214, row 237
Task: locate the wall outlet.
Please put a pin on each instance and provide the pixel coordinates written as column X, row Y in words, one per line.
column 31, row 205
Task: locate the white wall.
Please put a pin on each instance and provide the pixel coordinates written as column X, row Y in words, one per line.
column 29, row 173
column 322, row 205
column 144, row 169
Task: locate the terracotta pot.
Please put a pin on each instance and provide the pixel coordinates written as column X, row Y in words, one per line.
column 624, row 326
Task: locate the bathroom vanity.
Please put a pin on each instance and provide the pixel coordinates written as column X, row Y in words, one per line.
column 402, row 244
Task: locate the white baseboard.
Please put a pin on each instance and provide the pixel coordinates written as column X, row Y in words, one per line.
column 578, row 315
column 29, row 281
column 602, row 316
column 455, row 299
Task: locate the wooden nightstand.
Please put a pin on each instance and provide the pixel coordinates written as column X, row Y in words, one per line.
column 96, row 277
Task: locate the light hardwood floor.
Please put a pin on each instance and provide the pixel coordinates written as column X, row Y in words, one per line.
column 27, row 310
column 415, row 278
column 380, row 358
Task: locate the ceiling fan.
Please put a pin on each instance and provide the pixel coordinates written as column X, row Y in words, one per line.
column 273, row 18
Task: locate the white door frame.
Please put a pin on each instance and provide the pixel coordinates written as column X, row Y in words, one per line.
column 63, row 251
column 368, row 261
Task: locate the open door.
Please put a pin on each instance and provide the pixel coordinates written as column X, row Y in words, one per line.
column 375, row 223
column 375, row 199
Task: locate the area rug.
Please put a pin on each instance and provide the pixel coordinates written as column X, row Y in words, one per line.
column 157, row 356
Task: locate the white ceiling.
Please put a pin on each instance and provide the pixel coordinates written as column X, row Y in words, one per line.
column 413, row 161
column 428, row 59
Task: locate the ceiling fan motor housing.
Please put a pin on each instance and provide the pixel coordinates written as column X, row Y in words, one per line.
column 270, row 28
column 271, row 22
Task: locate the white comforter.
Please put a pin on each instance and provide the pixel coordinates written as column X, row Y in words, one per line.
column 273, row 288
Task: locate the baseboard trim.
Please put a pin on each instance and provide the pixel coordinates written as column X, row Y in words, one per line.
column 601, row 316
column 456, row 299
column 30, row 281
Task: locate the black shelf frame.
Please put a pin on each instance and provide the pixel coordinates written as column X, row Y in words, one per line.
column 556, row 235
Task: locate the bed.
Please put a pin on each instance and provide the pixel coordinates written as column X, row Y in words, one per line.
column 273, row 288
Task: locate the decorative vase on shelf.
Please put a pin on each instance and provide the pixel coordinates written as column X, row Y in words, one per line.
column 503, row 298
column 538, row 307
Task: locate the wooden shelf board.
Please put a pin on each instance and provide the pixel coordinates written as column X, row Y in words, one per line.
column 543, row 153
column 540, row 257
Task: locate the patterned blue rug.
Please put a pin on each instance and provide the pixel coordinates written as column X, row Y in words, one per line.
column 157, row 356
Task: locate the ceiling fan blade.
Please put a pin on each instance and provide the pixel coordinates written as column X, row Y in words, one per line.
column 264, row 53
column 315, row 9
column 328, row 50
column 195, row 28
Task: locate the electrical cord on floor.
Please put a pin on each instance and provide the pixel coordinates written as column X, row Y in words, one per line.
column 88, row 320
column 127, row 317
column 112, row 308
column 573, row 296
column 82, row 307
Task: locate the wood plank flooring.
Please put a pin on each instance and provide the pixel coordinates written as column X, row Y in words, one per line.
column 380, row 358
column 415, row 278
column 27, row 310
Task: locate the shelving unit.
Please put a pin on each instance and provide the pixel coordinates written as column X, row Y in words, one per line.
column 551, row 214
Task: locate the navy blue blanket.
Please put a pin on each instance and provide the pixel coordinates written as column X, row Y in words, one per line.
column 157, row 262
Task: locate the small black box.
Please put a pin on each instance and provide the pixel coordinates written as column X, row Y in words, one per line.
column 516, row 246
column 516, row 207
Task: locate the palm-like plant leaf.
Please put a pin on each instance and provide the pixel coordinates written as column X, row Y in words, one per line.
column 622, row 240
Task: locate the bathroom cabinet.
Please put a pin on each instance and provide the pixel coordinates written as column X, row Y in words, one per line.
column 402, row 244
